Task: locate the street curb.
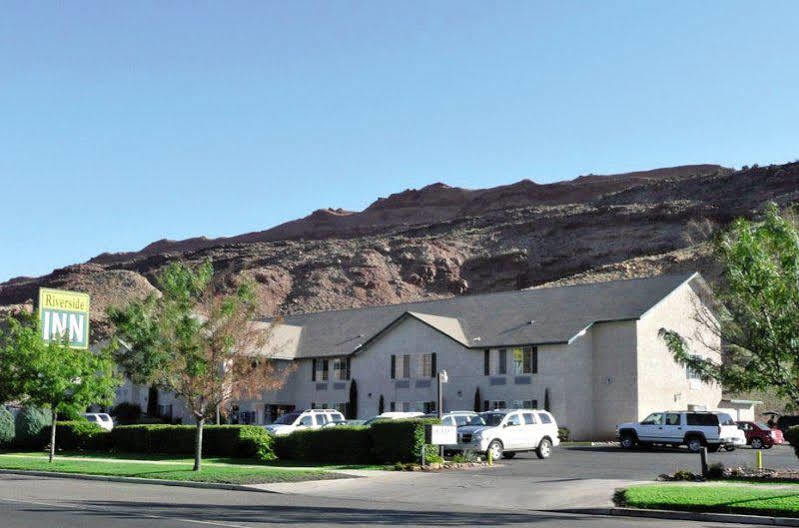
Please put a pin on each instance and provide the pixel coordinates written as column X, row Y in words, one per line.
column 137, row 480
column 686, row 516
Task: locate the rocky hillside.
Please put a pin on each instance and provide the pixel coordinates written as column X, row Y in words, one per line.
column 440, row 240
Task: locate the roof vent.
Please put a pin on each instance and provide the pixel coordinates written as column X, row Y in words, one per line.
column 531, row 322
column 476, row 339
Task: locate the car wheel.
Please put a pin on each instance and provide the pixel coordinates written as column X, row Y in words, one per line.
column 694, row 444
column 544, row 448
column 627, row 441
column 508, row 455
column 756, row 443
column 495, row 449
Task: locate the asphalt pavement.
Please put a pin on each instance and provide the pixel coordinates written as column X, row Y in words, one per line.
column 28, row 502
column 521, row 491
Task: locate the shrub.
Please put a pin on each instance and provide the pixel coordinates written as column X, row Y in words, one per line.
column 342, row 444
column 563, row 434
column 792, row 436
column 31, row 426
column 399, row 440
column 6, row 427
column 715, row 471
column 245, row 441
column 126, row 413
column 81, row 436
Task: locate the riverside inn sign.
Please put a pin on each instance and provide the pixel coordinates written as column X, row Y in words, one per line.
column 64, row 314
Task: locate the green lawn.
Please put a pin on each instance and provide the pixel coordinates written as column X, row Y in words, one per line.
column 206, row 460
column 175, row 469
column 742, row 498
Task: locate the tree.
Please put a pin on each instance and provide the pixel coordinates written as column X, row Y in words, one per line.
column 381, row 405
column 352, row 408
column 756, row 313
column 546, row 400
column 53, row 375
column 478, row 400
column 201, row 345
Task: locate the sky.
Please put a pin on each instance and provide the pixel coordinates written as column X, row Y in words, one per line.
column 122, row 123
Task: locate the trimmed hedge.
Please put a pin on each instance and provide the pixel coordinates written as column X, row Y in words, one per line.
column 385, row 442
column 31, row 426
column 81, row 436
column 341, row 444
column 399, row 440
column 241, row 441
column 6, row 427
column 792, row 436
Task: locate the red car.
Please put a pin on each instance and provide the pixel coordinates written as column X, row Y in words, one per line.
column 760, row 435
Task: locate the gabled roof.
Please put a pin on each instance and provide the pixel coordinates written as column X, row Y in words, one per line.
column 514, row 318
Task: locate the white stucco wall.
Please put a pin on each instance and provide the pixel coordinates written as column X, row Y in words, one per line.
column 662, row 383
column 614, row 381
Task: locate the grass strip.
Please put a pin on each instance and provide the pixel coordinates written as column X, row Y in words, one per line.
column 226, row 474
column 740, row 499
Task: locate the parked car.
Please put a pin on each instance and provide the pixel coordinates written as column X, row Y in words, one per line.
column 307, row 419
column 784, row 422
column 102, row 419
column 393, row 415
column 694, row 429
column 456, row 418
column 759, row 435
column 505, row 432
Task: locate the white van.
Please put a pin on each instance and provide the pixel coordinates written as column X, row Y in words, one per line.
column 102, row 419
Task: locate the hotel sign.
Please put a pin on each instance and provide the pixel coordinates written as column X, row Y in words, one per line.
column 64, row 314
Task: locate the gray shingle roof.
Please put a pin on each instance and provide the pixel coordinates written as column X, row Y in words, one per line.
column 488, row 320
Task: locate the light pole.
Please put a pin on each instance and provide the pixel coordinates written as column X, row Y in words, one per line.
column 442, row 379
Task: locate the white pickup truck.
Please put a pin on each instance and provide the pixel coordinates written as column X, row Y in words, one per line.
column 694, row 429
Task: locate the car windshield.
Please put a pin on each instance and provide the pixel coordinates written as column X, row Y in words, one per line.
column 491, row 418
column 287, row 419
column 763, row 426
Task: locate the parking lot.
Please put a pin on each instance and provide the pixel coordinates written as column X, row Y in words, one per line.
column 612, row 462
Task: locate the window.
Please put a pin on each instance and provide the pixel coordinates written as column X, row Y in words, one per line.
column 91, row 418
column 341, row 369
column 525, row 360
column 701, row 419
column 529, row 419
column 672, row 418
column 498, row 404
column 524, row 404
column 502, row 367
column 321, row 419
column 461, row 419
column 486, row 361
column 306, row 421
column 319, row 370
column 655, row 419
column 514, row 419
column 545, row 418
column 406, row 366
column 426, row 370
column 247, row 417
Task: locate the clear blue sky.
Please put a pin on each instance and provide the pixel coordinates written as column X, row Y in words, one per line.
column 125, row 122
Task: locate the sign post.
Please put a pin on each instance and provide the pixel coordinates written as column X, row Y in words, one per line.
column 64, row 315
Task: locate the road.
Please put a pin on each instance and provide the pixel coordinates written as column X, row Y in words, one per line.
column 35, row 502
column 516, row 492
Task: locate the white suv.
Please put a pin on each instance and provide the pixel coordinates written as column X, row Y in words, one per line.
column 694, row 429
column 300, row 421
column 101, row 419
column 505, row 432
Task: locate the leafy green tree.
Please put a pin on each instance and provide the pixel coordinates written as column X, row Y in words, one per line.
column 756, row 313
column 55, row 376
column 202, row 346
